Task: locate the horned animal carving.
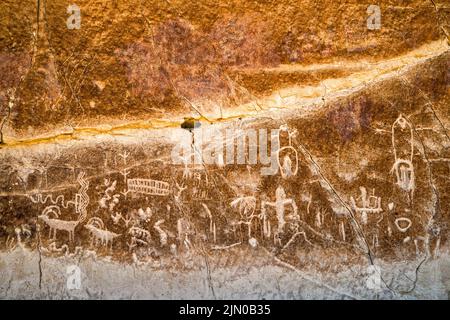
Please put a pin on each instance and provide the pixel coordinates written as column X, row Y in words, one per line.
column 99, row 234
column 57, row 224
column 50, row 215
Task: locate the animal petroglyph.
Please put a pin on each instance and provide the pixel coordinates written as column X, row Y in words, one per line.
column 81, row 203
column 109, row 200
column 99, row 234
column 162, row 234
column 57, row 224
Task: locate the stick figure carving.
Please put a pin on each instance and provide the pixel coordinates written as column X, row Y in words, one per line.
column 368, row 204
column 279, row 204
column 403, row 166
column 286, row 169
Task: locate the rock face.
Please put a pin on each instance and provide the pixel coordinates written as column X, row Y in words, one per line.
column 178, row 149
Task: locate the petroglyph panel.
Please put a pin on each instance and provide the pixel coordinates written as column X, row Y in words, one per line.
column 149, row 145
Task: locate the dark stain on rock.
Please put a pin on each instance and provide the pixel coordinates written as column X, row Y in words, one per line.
column 351, row 118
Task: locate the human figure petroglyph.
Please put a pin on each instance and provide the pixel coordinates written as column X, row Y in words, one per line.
column 320, row 215
column 117, row 217
column 99, row 234
column 390, row 209
column 177, row 194
column 425, row 241
column 125, row 171
column 22, row 230
column 306, row 197
column 286, row 169
column 433, row 232
column 403, row 154
column 144, row 216
column 201, row 185
column 187, row 172
column 184, row 230
column 367, row 204
column 212, row 224
column 124, row 155
column 281, row 201
column 163, row 237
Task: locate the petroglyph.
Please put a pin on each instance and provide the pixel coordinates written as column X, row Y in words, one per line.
column 148, row 186
column 406, row 224
column 403, row 166
column 109, row 200
column 57, row 224
column 163, row 237
column 139, row 236
column 234, row 154
column 280, row 203
column 368, row 204
column 99, row 234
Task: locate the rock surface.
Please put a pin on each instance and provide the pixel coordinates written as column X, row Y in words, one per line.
column 118, row 178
